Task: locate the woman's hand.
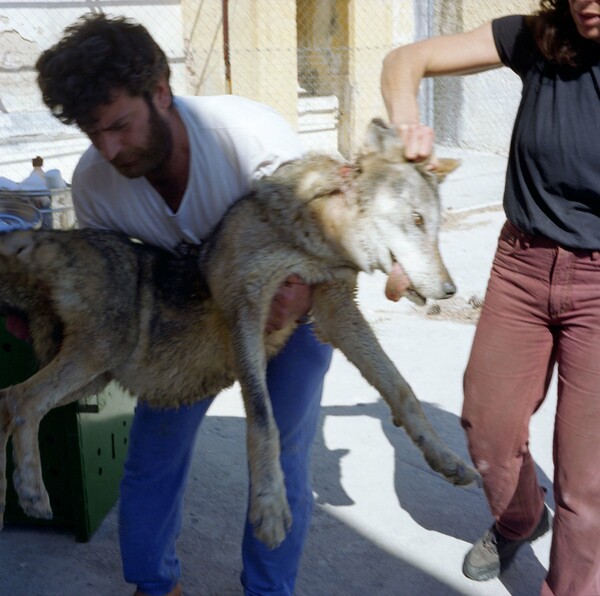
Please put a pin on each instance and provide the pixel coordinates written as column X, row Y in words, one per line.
column 418, row 142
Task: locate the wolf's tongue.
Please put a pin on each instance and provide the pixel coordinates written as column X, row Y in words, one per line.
column 397, row 283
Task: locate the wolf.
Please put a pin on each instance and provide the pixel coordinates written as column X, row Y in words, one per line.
column 176, row 329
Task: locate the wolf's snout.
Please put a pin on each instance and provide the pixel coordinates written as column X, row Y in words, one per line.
column 449, row 289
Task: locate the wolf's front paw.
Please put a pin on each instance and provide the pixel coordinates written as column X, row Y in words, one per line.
column 271, row 517
column 459, row 472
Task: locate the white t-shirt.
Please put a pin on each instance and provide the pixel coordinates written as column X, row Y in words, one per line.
column 233, row 141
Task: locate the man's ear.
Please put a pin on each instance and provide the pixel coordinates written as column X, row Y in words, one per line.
column 162, row 96
column 443, row 166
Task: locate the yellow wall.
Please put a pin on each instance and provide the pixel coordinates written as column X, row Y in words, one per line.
column 263, row 53
column 329, row 47
column 369, row 40
column 261, row 50
column 203, row 38
column 476, row 12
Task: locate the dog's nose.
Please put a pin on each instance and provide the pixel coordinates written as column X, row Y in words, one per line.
column 449, row 289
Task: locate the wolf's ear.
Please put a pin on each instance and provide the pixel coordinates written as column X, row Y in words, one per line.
column 444, row 166
column 381, row 138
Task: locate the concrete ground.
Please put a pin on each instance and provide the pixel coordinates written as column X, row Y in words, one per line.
column 384, row 523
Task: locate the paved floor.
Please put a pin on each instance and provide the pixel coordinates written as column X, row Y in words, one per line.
column 384, row 523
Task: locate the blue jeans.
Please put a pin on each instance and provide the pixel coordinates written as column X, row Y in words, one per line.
column 155, row 476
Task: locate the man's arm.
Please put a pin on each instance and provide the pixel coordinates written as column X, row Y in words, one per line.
column 17, row 327
column 291, row 302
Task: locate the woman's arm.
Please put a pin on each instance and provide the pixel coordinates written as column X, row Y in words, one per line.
column 405, row 67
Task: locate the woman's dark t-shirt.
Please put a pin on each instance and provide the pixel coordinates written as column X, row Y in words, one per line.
column 553, row 175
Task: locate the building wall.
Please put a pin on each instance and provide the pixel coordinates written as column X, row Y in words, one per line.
column 316, row 61
column 262, row 48
column 203, row 42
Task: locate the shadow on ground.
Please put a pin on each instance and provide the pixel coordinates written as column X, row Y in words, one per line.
column 460, row 513
column 338, row 559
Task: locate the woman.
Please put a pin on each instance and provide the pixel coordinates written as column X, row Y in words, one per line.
column 542, row 306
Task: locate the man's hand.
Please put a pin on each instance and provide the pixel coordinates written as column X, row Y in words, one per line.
column 292, row 300
column 17, row 327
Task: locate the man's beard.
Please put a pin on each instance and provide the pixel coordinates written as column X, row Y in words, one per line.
column 135, row 163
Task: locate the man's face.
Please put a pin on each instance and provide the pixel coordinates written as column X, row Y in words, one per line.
column 131, row 134
column 586, row 14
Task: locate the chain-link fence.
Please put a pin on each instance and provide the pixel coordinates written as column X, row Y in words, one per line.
column 316, row 61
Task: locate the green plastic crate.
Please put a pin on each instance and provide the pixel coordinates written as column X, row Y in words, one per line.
column 82, row 446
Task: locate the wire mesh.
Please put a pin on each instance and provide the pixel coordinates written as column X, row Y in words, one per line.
column 317, row 61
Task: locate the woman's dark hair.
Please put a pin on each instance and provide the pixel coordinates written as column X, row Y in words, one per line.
column 96, row 56
column 557, row 37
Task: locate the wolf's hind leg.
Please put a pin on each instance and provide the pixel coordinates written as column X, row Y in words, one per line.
column 27, row 475
column 4, row 434
column 74, row 369
column 32, row 495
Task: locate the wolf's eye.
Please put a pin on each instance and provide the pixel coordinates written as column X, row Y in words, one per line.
column 418, row 219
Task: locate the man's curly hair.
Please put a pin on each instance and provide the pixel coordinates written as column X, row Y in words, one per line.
column 557, row 37
column 96, row 56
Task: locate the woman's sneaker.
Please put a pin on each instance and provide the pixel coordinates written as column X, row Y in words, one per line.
column 493, row 552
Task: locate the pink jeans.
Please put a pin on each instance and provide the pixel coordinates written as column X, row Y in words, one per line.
column 542, row 309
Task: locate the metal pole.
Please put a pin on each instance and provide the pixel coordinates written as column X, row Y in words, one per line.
column 226, row 56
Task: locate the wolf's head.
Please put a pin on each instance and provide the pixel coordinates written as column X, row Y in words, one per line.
column 372, row 214
column 395, row 215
